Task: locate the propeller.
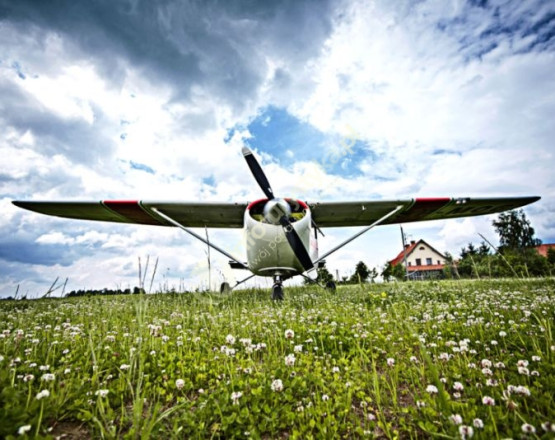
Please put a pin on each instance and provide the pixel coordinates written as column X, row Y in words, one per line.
column 290, row 233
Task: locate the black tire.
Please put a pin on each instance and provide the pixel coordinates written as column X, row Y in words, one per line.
column 277, row 292
column 225, row 288
column 330, row 285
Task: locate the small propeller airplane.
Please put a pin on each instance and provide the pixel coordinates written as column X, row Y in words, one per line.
column 281, row 233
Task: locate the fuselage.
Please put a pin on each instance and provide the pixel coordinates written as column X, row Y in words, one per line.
column 268, row 251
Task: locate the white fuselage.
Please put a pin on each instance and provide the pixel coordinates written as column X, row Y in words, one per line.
column 268, row 250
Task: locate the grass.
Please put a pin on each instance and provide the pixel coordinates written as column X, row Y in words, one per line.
column 414, row 360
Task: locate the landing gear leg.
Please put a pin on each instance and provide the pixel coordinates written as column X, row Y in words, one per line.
column 277, row 289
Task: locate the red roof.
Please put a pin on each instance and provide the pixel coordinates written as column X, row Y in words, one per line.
column 399, row 258
column 543, row 248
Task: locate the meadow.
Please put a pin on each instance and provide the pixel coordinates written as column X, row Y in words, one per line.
column 460, row 359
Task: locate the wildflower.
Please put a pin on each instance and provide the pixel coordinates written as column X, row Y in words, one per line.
column 23, row 429
column 466, row 431
column 153, row 353
column 456, row 419
column 42, row 394
column 500, row 365
column 487, row 400
column 524, row 371
column 298, row 348
column 230, row 339
column 413, row 359
column 290, row 360
column 548, row 427
column 125, row 367
column 335, row 370
column 101, row 393
column 457, row 386
column 235, row 396
column 44, row 367
column 485, row 363
column 289, row 334
column 420, row 403
column 28, row 378
column 48, row 377
column 522, row 363
column 179, row 384
column 432, row 389
column 277, row 385
column 478, row 423
column 487, row 372
column 444, row 357
column 502, row 333
column 325, row 397
column 67, row 371
column 527, row 428
column 390, row 362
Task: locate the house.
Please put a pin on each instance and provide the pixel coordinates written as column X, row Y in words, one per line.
column 543, row 249
column 422, row 260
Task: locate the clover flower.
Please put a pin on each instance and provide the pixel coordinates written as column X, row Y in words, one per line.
column 528, row 429
column 179, row 384
column 298, row 348
column 466, row 431
column 230, row 339
column 432, row 389
column 289, row 334
column 101, row 393
column 277, row 385
column 456, row 419
column 48, row 377
column 290, row 360
column 489, row 401
column 478, row 423
column 235, row 396
column 125, row 367
column 457, row 386
column 42, row 394
column 390, row 362
column 24, row 429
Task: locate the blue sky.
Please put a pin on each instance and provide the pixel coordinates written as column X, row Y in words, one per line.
column 340, row 100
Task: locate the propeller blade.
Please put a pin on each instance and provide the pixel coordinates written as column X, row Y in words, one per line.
column 296, row 243
column 257, row 172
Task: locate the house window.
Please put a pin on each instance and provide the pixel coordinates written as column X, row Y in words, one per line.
column 418, row 261
column 438, row 262
column 410, row 264
column 429, row 261
column 421, row 248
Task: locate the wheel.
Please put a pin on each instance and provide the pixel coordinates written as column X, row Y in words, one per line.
column 225, row 288
column 330, row 285
column 277, row 292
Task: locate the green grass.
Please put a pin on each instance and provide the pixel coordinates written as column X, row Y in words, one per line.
column 361, row 363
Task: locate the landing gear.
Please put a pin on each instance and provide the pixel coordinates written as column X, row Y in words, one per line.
column 330, row 285
column 225, row 287
column 277, row 289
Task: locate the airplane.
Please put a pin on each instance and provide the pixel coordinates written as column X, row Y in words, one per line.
column 281, row 233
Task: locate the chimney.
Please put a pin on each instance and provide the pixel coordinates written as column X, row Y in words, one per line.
column 412, row 242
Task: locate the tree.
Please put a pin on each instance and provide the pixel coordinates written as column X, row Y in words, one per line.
column 397, row 272
column 515, row 231
column 551, row 255
column 361, row 273
column 323, row 275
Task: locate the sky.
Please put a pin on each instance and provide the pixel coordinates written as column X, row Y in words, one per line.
column 339, row 100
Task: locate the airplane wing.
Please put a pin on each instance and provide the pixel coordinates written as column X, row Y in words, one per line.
column 189, row 214
column 363, row 213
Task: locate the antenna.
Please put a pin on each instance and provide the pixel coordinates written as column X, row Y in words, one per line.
column 404, row 253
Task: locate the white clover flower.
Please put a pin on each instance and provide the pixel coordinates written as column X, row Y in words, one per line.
column 489, row 401
column 179, row 384
column 548, row 426
column 230, row 339
column 390, row 362
column 522, row 363
column 528, row 429
column 1, row 358
column 48, row 377
column 335, row 370
column 28, row 378
column 125, row 367
column 487, row 372
column 289, row 334
column 42, row 394
column 524, row 371
column 277, row 385
column 235, row 396
column 536, row 358
column 153, row 353
column 485, row 363
column 432, row 389
column 502, row 333
column 325, row 397
column 457, row 386
column 466, row 432
column 101, row 393
column 290, row 360
column 456, row 419
column 522, row 390
column 298, row 348
column 478, row 423
column 413, row 359
column 24, row 429
column 420, row 403
column 44, row 367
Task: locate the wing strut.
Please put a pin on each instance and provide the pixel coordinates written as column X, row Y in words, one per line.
column 359, row 233
column 212, row 245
